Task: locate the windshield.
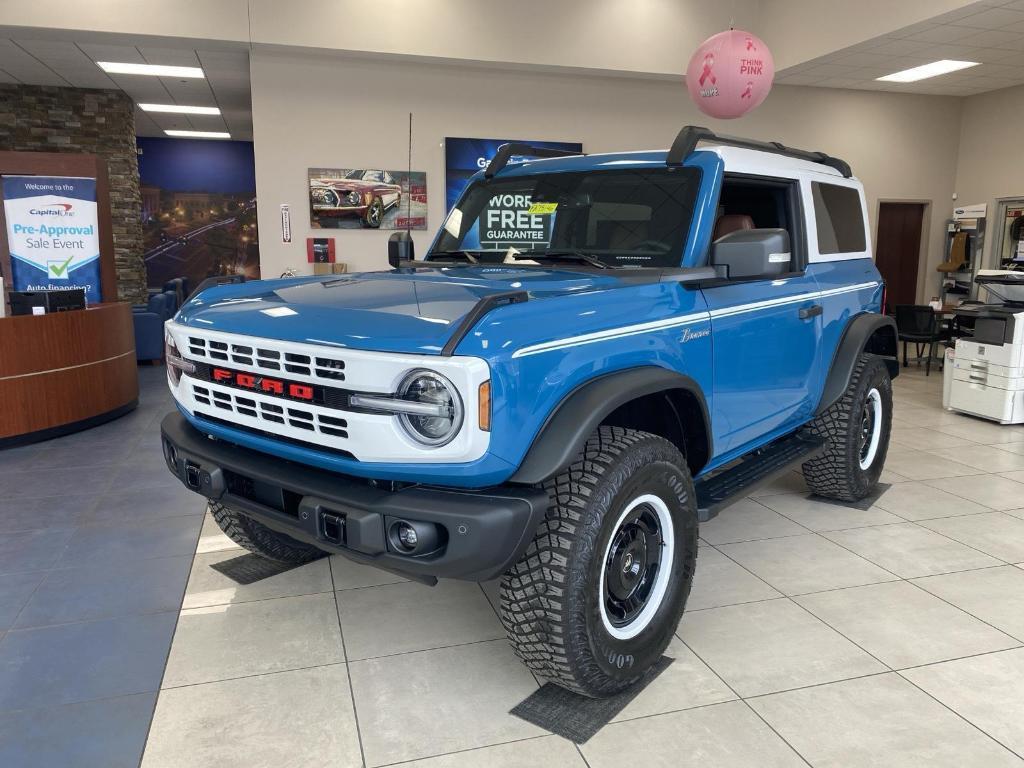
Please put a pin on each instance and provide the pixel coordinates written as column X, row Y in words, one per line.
column 621, row 218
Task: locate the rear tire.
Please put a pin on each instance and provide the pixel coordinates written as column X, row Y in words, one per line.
column 857, row 428
column 260, row 540
column 597, row 596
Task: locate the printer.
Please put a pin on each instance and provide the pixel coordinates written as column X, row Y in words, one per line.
column 988, row 371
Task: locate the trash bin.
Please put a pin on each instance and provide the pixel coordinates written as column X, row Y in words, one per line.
column 947, row 376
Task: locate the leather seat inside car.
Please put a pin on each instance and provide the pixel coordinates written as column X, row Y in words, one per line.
column 731, row 222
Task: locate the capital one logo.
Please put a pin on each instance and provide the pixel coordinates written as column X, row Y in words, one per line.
column 53, row 209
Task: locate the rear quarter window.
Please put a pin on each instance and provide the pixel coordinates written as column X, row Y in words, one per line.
column 839, row 218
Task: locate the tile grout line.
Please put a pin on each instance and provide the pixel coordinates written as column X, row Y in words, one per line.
column 167, row 657
column 745, row 702
column 348, row 669
column 915, row 586
column 959, row 715
column 467, row 749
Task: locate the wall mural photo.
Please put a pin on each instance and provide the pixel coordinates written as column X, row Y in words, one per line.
column 367, row 198
column 198, row 209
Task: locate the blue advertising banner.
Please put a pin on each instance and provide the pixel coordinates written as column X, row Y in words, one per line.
column 465, row 157
column 52, row 234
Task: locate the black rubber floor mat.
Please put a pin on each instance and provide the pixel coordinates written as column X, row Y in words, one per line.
column 576, row 717
column 863, row 505
column 250, row 568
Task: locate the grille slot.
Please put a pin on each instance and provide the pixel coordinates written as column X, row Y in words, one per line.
column 261, row 413
column 317, row 369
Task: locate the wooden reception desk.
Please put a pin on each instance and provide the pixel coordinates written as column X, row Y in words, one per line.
column 65, row 371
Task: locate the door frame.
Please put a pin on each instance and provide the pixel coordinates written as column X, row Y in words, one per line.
column 923, row 250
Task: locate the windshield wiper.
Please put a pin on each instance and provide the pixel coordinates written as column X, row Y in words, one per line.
column 566, row 254
column 465, row 254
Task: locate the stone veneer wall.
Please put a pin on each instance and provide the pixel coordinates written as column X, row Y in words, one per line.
column 35, row 118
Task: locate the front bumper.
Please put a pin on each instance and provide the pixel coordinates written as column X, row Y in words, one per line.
column 480, row 534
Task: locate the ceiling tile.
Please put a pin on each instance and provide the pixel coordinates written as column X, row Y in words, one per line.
column 191, row 91
column 902, row 47
column 120, row 53
column 25, row 67
column 990, row 38
column 993, row 18
column 944, row 34
column 225, row 61
column 173, row 57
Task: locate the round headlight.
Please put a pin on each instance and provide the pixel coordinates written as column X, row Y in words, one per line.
column 354, row 198
column 442, row 414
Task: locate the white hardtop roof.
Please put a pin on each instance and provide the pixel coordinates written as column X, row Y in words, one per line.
column 759, row 161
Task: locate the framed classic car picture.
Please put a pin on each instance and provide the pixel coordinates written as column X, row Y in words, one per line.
column 355, row 198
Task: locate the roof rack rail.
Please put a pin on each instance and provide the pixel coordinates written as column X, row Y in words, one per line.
column 506, row 151
column 688, row 138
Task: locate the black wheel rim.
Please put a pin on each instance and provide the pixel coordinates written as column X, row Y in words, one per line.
column 632, row 565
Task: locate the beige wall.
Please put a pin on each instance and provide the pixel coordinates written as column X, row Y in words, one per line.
column 990, row 165
column 332, row 112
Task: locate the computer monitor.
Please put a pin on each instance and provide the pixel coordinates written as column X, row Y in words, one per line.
column 25, row 302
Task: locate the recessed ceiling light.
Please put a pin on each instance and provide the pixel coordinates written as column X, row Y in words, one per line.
column 199, row 134
column 178, row 109
column 158, row 70
column 928, row 70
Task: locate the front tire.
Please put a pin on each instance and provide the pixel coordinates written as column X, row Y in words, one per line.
column 599, row 593
column 857, row 428
column 374, row 214
column 260, row 540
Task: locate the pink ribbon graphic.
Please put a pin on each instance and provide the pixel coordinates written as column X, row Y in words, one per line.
column 750, row 44
column 747, row 94
column 707, row 74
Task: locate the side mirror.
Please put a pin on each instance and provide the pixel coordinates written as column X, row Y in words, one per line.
column 400, row 248
column 749, row 253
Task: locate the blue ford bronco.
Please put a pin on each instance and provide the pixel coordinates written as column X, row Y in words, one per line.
column 556, row 394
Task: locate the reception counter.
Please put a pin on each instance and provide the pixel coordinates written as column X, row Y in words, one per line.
column 65, row 371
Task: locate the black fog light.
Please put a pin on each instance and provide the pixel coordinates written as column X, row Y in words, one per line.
column 413, row 537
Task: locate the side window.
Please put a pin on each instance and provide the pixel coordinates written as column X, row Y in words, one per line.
column 753, row 202
column 839, row 218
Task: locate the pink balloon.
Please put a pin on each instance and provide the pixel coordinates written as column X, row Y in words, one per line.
column 730, row 73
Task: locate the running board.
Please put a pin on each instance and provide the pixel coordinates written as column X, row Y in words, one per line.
column 721, row 489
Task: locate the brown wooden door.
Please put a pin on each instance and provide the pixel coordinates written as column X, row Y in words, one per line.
column 898, row 249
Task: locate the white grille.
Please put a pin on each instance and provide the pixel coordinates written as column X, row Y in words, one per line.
column 370, row 437
column 325, row 369
column 311, row 424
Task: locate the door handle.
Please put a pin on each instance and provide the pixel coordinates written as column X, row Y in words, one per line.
column 808, row 312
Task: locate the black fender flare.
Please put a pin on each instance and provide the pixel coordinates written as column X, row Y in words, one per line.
column 868, row 331
column 580, row 412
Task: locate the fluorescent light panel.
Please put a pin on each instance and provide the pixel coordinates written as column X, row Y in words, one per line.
column 198, row 134
column 156, row 70
column 179, row 109
column 936, row 68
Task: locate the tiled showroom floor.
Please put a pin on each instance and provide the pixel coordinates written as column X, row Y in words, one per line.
column 816, row 634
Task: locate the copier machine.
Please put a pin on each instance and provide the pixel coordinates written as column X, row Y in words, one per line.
column 988, row 371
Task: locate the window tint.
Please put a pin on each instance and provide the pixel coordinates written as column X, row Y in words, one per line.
column 839, row 218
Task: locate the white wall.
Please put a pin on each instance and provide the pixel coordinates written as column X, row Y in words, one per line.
column 322, row 111
column 990, row 165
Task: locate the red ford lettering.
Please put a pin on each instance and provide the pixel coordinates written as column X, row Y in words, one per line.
column 273, row 386
column 301, row 391
column 270, row 386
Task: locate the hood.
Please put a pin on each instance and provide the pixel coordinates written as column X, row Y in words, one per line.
column 396, row 311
